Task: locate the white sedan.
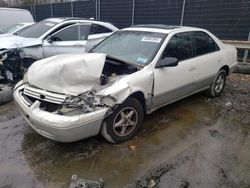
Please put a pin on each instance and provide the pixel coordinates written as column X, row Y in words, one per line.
column 128, row 75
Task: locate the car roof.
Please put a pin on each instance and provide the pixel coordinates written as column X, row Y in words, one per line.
column 90, row 20
column 157, row 26
column 63, row 19
column 161, row 28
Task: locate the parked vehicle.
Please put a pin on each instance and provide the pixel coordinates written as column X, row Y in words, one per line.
column 131, row 73
column 47, row 38
column 14, row 16
column 50, row 37
column 15, row 29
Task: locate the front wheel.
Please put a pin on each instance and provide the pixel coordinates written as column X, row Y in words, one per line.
column 124, row 122
column 218, row 84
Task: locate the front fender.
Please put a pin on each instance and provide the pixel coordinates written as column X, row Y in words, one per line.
column 140, row 81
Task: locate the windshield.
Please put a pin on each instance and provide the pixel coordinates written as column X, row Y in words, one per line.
column 37, row 30
column 135, row 46
column 12, row 28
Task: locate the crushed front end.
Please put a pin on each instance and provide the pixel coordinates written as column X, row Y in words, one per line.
column 61, row 117
column 63, row 97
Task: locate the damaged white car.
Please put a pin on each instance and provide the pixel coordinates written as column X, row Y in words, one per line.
column 131, row 73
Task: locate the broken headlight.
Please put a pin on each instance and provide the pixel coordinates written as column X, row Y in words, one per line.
column 87, row 102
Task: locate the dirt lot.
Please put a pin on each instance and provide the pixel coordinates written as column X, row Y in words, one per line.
column 197, row 142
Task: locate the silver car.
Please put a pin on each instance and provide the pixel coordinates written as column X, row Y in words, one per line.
column 55, row 36
column 47, row 38
column 131, row 73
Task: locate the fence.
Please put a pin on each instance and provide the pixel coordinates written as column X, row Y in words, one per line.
column 229, row 20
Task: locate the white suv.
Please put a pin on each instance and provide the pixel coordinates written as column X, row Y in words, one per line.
column 131, row 73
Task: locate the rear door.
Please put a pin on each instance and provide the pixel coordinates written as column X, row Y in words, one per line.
column 173, row 83
column 208, row 57
column 71, row 39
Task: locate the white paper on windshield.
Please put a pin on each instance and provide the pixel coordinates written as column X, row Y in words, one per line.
column 151, row 39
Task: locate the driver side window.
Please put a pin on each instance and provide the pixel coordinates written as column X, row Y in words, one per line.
column 68, row 34
column 179, row 46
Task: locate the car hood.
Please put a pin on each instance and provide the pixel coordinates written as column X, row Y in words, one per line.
column 70, row 74
column 13, row 41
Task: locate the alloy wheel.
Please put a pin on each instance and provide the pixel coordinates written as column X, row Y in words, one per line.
column 125, row 121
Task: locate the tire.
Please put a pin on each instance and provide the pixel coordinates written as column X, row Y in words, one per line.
column 5, row 93
column 242, row 68
column 218, row 84
column 127, row 117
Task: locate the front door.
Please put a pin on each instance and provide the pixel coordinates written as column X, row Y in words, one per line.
column 71, row 39
column 173, row 83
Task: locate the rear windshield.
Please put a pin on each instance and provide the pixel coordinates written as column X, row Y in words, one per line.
column 37, row 30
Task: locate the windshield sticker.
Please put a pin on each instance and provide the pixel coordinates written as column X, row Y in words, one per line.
column 141, row 60
column 151, row 39
column 50, row 24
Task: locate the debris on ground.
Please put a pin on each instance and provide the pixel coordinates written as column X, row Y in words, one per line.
column 152, row 177
column 132, row 147
column 152, row 184
column 213, row 133
column 82, row 183
column 229, row 104
column 165, row 120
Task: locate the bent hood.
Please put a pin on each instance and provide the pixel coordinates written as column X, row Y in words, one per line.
column 13, row 41
column 70, row 74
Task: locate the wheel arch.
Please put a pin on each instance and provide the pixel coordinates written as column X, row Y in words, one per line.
column 139, row 95
column 225, row 68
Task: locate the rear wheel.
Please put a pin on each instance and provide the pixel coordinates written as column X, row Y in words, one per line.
column 124, row 122
column 218, row 84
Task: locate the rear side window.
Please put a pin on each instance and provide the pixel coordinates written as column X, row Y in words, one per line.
column 203, row 43
column 179, row 46
column 98, row 29
column 84, row 32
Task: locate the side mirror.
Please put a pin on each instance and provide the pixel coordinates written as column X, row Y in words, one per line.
column 167, row 62
column 50, row 39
